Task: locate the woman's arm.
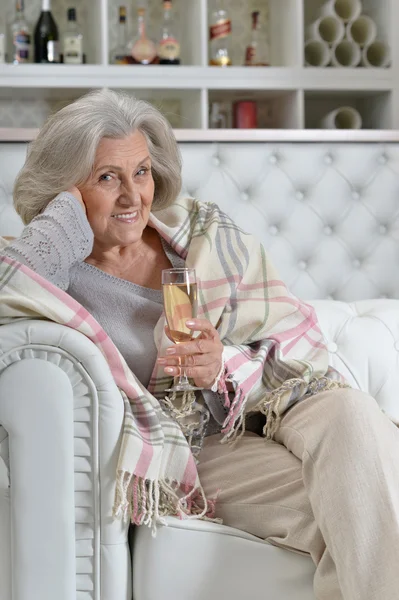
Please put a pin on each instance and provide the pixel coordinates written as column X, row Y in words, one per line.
column 55, row 241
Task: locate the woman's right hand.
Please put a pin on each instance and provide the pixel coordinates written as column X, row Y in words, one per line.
column 75, row 192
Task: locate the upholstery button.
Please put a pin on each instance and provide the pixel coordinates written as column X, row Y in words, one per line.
column 328, row 159
column 273, row 159
column 332, row 347
column 383, row 159
column 299, row 195
column 382, row 229
column 273, row 230
column 328, row 230
column 302, row 265
column 396, row 346
column 244, row 196
column 356, row 195
column 356, row 263
column 216, row 161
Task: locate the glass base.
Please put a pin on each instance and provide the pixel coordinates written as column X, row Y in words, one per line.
column 183, row 387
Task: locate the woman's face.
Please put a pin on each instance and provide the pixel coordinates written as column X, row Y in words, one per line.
column 119, row 193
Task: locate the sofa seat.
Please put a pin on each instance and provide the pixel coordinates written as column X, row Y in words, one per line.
column 211, row 561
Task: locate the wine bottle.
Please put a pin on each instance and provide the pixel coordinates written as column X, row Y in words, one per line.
column 46, row 36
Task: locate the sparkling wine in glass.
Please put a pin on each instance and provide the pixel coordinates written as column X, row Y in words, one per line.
column 180, row 302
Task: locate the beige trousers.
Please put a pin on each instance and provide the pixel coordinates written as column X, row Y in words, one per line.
column 328, row 487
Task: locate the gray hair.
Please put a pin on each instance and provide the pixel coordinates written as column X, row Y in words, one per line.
column 64, row 151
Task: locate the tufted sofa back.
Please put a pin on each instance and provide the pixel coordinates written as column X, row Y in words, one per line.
column 328, row 214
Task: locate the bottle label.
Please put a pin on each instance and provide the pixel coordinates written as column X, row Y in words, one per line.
column 249, row 55
column 52, row 51
column 220, row 29
column 144, row 51
column 22, row 47
column 2, row 48
column 169, row 49
column 73, row 51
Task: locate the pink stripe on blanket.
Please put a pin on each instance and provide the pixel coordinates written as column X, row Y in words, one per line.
column 212, row 283
column 261, row 285
column 300, row 329
column 190, row 476
column 291, row 345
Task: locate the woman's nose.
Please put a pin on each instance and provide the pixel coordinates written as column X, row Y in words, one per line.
column 129, row 194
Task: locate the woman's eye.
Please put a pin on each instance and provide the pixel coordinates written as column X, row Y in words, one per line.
column 142, row 171
column 106, row 177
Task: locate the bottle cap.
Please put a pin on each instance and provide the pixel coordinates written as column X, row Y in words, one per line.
column 122, row 14
column 71, row 14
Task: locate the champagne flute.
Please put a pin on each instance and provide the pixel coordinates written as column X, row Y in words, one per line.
column 180, row 302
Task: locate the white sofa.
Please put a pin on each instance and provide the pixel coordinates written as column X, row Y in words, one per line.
column 329, row 216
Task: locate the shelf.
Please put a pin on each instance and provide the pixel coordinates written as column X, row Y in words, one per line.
column 14, row 135
column 193, row 78
column 289, row 95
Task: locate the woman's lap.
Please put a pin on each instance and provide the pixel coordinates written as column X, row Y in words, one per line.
column 260, row 482
column 259, row 489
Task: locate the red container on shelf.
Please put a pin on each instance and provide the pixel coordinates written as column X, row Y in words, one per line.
column 245, row 114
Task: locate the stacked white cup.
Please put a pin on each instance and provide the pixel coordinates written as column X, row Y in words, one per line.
column 343, row 36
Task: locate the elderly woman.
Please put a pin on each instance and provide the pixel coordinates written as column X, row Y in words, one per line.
column 99, row 196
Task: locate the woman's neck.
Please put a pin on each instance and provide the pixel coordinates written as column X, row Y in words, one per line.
column 139, row 263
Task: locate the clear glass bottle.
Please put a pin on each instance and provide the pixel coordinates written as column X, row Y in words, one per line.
column 169, row 46
column 21, row 36
column 46, row 36
column 119, row 53
column 220, row 37
column 257, row 53
column 142, row 50
column 3, row 43
column 72, row 41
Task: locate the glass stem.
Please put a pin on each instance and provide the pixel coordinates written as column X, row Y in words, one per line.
column 183, row 379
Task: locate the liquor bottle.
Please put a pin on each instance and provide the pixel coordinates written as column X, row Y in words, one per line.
column 21, row 36
column 257, row 51
column 220, row 37
column 168, row 47
column 142, row 50
column 119, row 53
column 72, row 41
column 46, row 36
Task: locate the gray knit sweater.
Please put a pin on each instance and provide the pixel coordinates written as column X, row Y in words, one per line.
column 55, row 245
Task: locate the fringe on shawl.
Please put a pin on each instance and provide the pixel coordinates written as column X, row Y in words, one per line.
column 191, row 416
column 147, row 502
column 271, row 405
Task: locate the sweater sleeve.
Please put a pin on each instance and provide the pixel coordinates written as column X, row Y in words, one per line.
column 55, row 241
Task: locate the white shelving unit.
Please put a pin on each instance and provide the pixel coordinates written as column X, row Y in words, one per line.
column 290, row 96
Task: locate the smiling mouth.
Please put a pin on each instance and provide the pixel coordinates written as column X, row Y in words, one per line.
column 126, row 216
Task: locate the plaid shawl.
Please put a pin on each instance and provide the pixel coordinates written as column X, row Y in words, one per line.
column 274, row 354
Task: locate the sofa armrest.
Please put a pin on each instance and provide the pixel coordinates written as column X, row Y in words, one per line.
column 63, row 415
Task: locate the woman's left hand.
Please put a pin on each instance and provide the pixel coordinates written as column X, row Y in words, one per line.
column 201, row 357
